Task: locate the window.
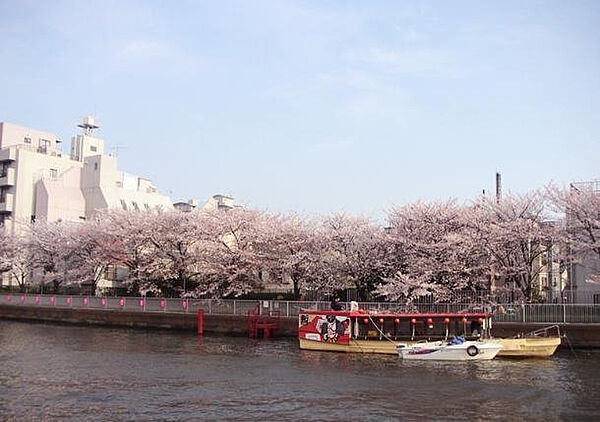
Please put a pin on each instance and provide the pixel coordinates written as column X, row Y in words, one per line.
column 93, row 148
column 27, row 140
column 135, row 205
column 110, row 272
column 4, row 169
column 3, row 192
column 53, row 173
column 147, row 207
column 124, row 204
column 95, row 166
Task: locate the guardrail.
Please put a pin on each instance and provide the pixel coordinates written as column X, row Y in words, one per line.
column 525, row 313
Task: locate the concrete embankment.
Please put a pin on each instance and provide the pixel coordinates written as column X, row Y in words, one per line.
column 580, row 335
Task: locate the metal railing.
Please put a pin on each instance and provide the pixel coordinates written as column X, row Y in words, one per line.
column 524, row 313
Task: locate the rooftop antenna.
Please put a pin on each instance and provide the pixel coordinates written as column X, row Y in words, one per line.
column 117, row 148
column 88, row 125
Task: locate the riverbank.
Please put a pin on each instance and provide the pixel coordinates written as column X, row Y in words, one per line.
column 580, row 335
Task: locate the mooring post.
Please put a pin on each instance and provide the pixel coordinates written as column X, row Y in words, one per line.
column 200, row 322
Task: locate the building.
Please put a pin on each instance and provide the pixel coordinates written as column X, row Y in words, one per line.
column 550, row 279
column 217, row 202
column 584, row 274
column 188, row 206
column 220, row 203
column 38, row 182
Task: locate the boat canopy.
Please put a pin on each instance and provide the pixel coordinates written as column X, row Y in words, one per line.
column 354, row 314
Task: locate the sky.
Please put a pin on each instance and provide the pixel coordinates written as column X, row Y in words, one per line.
column 316, row 106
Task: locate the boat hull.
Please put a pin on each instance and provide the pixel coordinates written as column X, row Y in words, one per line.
column 354, row 346
column 528, row 347
column 470, row 350
column 534, row 347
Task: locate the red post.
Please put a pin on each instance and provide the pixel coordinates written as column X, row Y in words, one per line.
column 200, row 322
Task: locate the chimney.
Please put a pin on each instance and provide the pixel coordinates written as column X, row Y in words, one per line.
column 498, row 187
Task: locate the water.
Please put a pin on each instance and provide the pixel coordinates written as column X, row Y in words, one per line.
column 50, row 372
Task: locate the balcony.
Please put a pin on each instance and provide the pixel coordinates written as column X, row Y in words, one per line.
column 8, row 178
column 8, row 154
column 7, row 205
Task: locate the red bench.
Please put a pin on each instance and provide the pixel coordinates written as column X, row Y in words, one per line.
column 265, row 324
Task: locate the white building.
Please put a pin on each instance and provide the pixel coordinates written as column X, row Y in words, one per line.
column 217, row 202
column 584, row 274
column 39, row 182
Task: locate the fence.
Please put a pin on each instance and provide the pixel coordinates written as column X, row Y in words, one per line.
column 525, row 313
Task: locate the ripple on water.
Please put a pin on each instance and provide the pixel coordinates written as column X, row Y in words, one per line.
column 76, row 373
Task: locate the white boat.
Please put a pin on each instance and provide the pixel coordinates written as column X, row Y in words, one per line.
column 442, row 350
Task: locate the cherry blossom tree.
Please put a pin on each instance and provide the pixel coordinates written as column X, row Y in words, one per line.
column 6, row 251
column 294, row 249
column 435, row 253
column 180, row 243
column 56, row 254
column 16, row 259
column 357, row 254
column 515, row 232
column 236, row 255
column 92, row 249
column 127, row 242
column 581, row 207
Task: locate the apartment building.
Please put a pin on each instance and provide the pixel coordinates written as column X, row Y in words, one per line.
column 584, row 273
column 39, row 182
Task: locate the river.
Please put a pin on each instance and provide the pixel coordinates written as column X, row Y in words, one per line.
column 59, row 372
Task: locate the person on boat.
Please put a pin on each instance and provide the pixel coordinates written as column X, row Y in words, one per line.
column 336, row 305
column 475, row 328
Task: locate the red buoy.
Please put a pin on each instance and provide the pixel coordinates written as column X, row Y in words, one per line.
column 381, row 320
column 464, row 320
column 397, row 320
column 480, row 320
column 447, row 320
column 413, row 321
column 429, row 321
column 366, row 320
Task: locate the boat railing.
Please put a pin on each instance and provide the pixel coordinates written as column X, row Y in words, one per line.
column 550, row 331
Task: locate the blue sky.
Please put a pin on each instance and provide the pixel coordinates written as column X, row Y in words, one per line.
column 316, row 106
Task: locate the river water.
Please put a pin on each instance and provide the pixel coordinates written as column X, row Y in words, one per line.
column 54, row 372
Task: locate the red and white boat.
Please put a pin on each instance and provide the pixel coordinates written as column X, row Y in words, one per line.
column 364, row 332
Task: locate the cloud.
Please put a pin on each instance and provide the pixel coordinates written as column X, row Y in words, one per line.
column 331, row 146
column 155, row 51
column 416, row 61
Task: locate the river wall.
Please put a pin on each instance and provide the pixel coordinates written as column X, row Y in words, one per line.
column 579, row 335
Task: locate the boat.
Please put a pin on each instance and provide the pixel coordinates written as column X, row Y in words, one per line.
column 540, row 343
column 358, row 331
column 458, row 349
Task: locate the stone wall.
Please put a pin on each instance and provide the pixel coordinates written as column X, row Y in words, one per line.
column 580, row 335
